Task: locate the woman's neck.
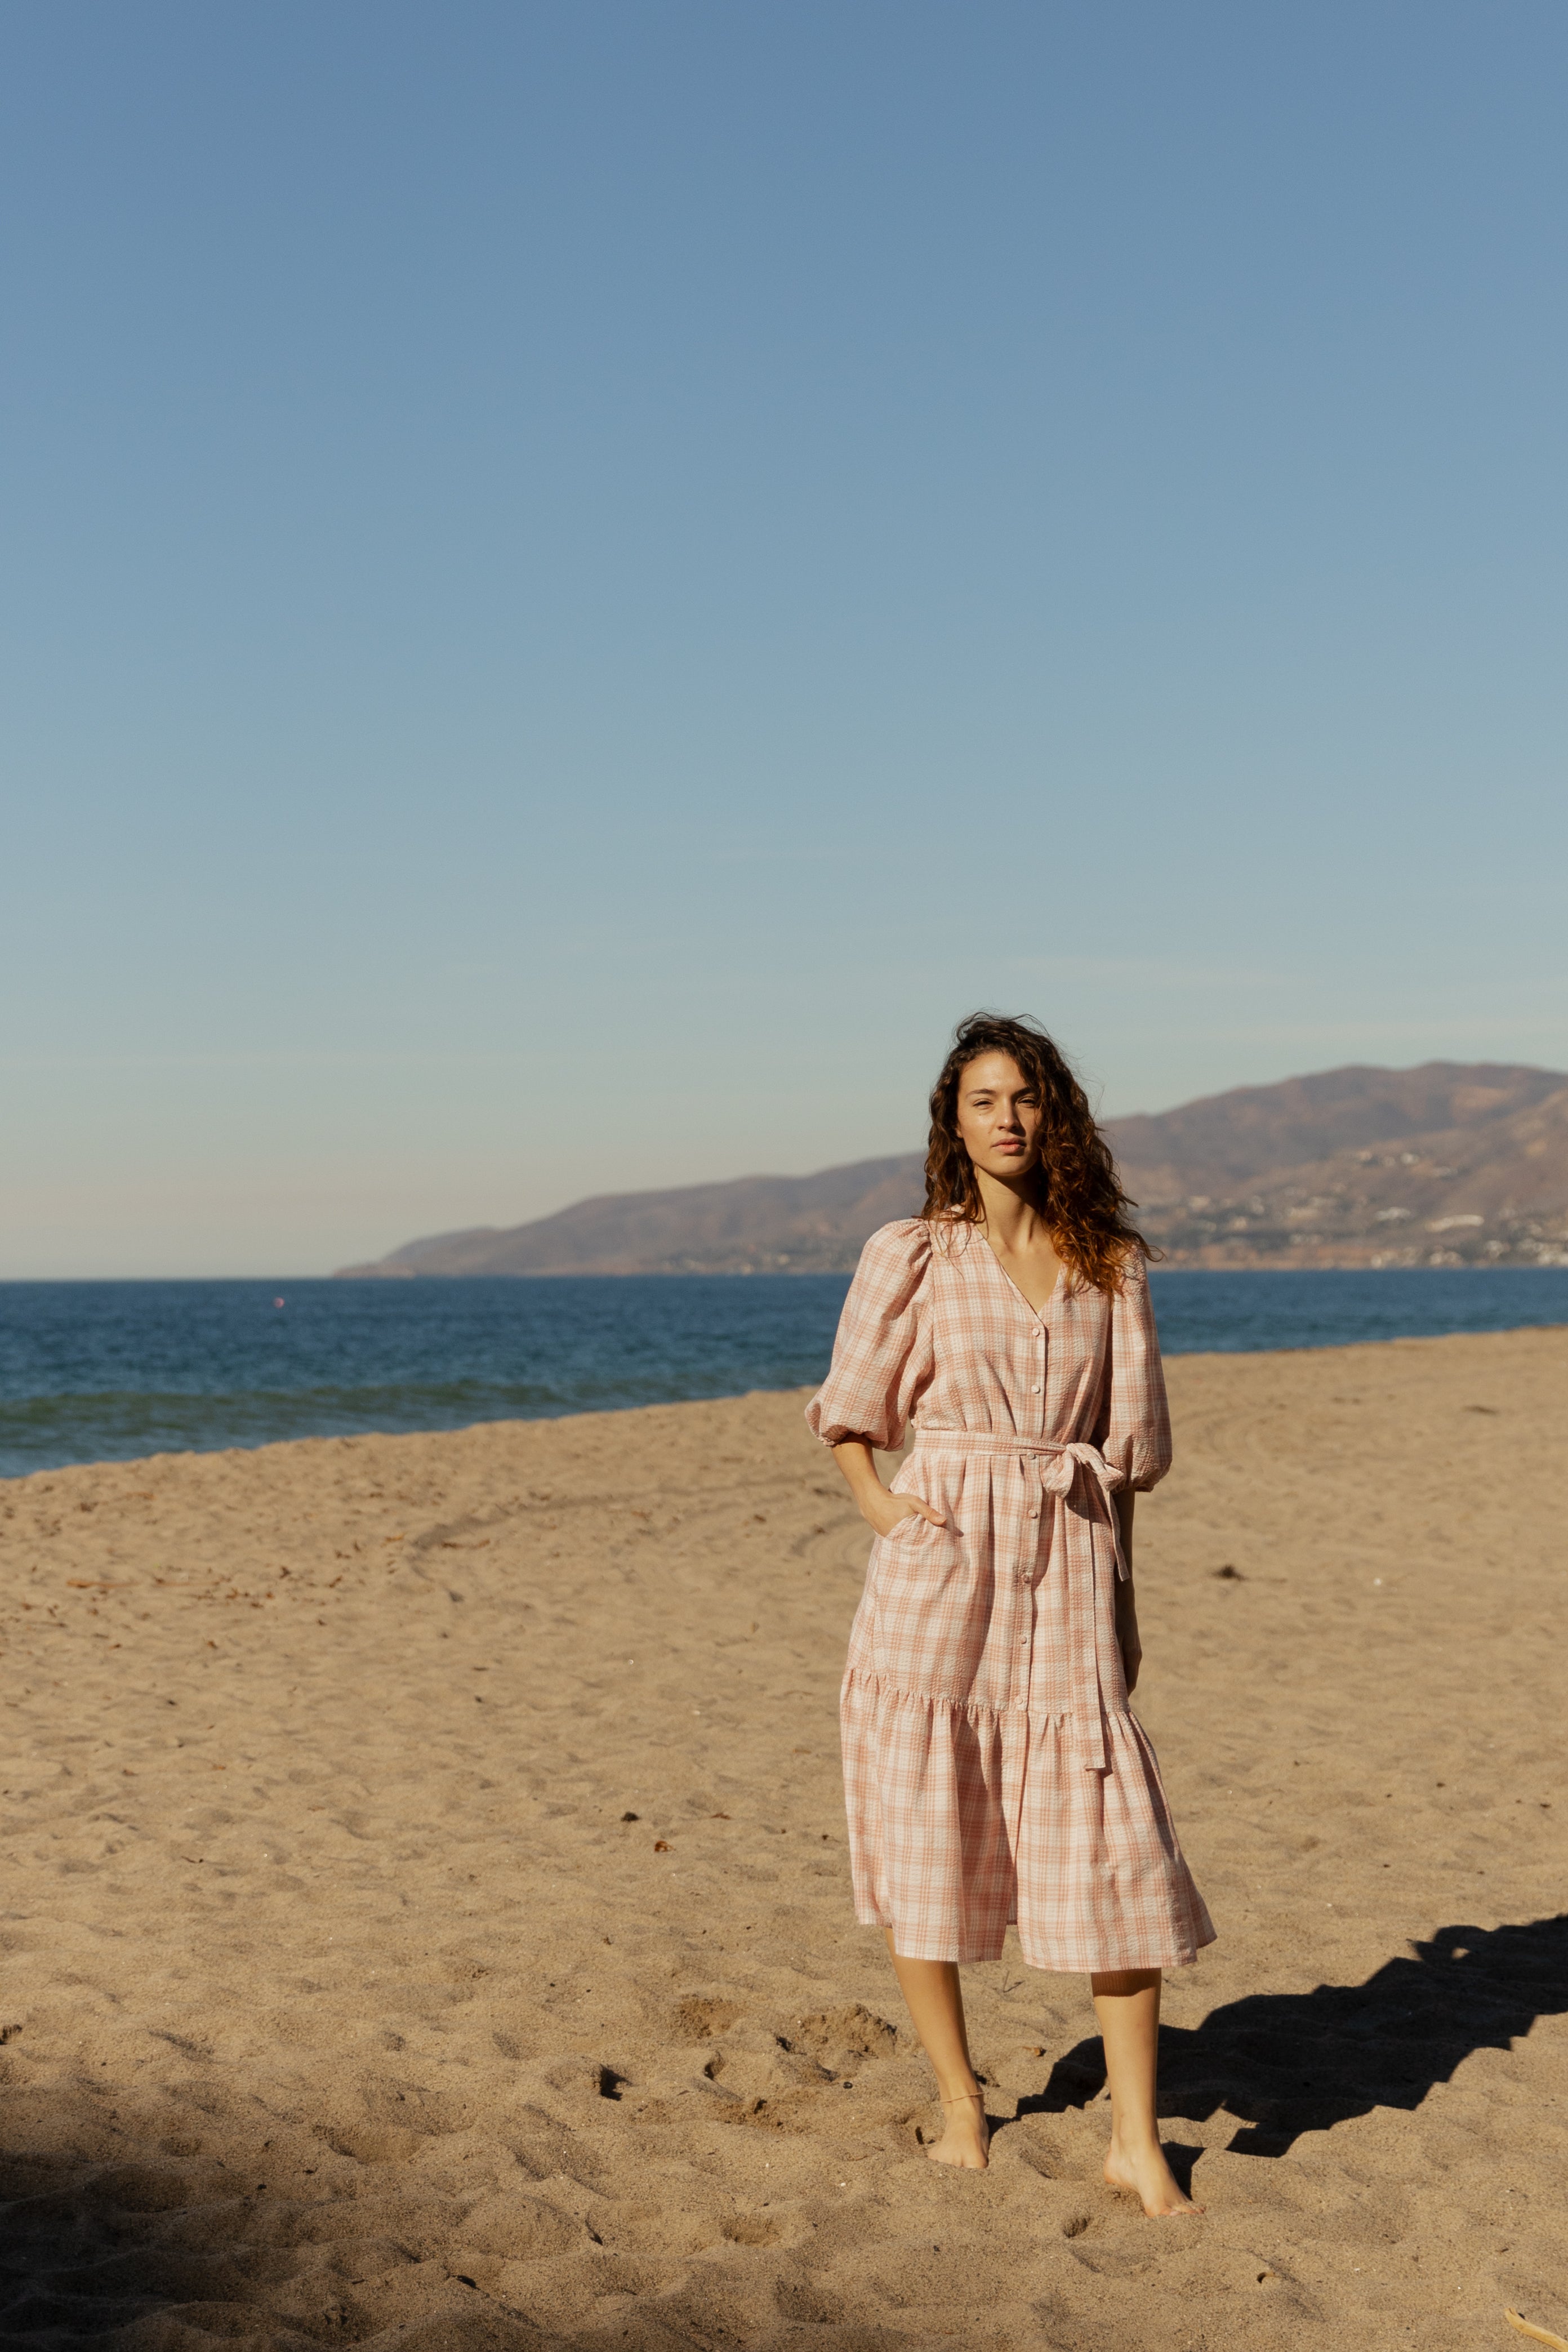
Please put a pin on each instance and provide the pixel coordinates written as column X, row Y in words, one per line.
column 1010, row 1214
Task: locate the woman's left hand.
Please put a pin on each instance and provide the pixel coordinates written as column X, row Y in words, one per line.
column 1127, row 1640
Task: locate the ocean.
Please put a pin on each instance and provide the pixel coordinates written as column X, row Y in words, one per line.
column 93, row 1371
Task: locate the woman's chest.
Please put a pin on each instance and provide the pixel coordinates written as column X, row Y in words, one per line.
column 983, row 1329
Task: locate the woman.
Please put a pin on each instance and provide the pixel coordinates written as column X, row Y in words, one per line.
column 992, row 1769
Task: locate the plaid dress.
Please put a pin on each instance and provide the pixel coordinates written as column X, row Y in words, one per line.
column 993, row 1772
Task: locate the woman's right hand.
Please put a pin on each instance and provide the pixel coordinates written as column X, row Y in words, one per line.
column 877, row 1505
column 885, row 1510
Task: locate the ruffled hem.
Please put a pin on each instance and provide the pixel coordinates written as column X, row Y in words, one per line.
column 966, row 1819
column 1063, row 1957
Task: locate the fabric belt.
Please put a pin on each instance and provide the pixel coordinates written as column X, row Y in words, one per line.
column 1057, row 1467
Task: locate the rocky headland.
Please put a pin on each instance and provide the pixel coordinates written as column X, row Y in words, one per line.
column 1449, row 1164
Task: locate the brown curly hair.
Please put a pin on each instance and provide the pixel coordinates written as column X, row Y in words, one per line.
column 1078, row 1189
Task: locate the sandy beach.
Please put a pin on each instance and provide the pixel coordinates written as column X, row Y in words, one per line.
column 426, row 1922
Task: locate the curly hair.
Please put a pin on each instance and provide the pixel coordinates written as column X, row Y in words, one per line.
column 1078, row 1189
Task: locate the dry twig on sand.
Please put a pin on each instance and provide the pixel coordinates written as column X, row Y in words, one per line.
column 1536, row 2335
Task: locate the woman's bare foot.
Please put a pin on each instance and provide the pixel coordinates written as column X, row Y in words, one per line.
column 965, row 2136
column 1144, row 2174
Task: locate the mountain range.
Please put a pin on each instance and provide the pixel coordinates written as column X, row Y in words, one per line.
column 1449, row 1164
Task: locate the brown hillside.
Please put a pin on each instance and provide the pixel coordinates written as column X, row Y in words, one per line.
column 1444, row 1165
column 1448, row 1164
column 793, row 1224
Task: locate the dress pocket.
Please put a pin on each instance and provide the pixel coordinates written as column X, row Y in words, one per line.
column 921, row 1612
column 915, row 1545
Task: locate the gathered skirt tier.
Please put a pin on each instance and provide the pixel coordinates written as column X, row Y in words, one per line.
column 965, row 1820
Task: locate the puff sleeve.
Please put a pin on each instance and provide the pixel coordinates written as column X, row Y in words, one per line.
column 882, row 1357
column 1136, row 1419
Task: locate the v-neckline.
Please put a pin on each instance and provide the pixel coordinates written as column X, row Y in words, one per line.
column 1037, row 1313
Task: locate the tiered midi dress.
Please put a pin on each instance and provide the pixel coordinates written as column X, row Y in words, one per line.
column 993, row 1772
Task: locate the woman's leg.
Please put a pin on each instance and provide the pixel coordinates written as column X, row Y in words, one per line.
column 934, row 1999
column 1127, row 2002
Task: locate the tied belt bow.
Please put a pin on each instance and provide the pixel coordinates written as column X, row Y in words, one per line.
column 1055, row 1467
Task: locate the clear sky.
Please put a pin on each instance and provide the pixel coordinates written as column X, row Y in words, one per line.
column 581, row 580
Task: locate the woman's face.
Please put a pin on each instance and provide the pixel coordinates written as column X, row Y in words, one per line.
column 1000, row 1116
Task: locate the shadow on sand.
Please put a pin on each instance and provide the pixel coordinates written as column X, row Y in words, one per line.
column 166, row 2255
column 1293, row 2063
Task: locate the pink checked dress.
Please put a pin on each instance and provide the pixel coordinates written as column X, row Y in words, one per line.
column 992, row 1769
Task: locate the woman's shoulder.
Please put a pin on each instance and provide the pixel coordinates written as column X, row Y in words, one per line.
column 1123, row 1288
column 901, row 1251
column 906, row 1237
column 916, row 1241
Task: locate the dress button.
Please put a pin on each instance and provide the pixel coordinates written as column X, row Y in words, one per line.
column 1034, row 1515
column 1036, row 1388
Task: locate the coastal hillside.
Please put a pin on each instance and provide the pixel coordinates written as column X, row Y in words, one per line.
column 1450, row 1164
column 797, row 1224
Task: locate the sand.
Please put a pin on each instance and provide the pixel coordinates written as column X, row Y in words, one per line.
column 426, row 1919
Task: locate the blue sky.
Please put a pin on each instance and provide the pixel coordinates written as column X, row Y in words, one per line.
column 582, row 580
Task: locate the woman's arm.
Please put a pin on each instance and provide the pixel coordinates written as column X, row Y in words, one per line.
column 883, row 1509
column 1127, row 1640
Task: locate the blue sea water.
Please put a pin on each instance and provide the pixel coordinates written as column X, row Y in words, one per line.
column 111, row 1371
